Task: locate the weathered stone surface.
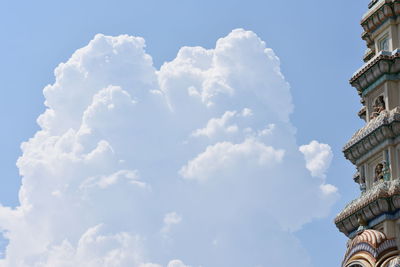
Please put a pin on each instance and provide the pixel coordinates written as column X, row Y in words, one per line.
column 372, row 221
column 382, row 198
column 384, row 63
column 385, row 126
column 381, row 12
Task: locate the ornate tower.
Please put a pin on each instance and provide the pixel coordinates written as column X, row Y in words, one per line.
column 372, row 221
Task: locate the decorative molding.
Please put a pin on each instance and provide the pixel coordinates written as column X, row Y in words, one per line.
column 383, row 198
column 372, row 221
column 385, row 126
column 370, row 241
column 383, row 63
column 378, row 14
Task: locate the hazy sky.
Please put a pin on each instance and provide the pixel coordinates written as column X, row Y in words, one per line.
column 237, row 146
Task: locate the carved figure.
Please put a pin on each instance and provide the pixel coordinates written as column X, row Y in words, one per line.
column 379, row 173
column 363, row 186
column 378, row 107
column 363, row 225
column 360, row 179
column 386, row 171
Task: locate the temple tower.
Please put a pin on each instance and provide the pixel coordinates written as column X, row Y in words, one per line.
column 372, row 221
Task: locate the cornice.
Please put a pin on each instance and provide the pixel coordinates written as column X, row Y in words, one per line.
column 379, row 14
column 385, row 126
column 381, row 64
column 382, row 198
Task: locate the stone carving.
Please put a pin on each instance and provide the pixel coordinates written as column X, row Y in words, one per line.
column 378, row 107
column 383, row 11
column 363, row 223
column 379, row 173
column 360, row 179
column 386, row 10
column 385, row 65
column 386, row 171
column 363, row 113
column 383, row 127
column 372, row 221
column 382, row 198
column 363, row 187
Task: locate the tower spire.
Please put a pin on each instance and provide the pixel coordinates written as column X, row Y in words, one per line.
column 372, row 221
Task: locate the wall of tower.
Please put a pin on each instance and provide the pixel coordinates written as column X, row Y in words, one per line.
column 372, row 221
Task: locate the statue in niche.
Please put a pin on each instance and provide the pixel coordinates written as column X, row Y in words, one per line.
column 363, row 186
column 362, row 223
column 378, row 107
column 379, row 174
column 360, row 180
column 386, row 171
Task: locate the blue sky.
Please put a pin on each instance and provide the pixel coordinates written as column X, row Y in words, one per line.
column 318, row 43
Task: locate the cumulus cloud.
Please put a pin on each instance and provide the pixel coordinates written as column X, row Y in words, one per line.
column 223, row 158
column 318, row 158
column 170, row 220
column 176, row 263
column 216, row 125
column 95, row 249
column 201, row 149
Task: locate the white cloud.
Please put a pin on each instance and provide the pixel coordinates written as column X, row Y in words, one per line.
column 150, row 265
column 218, row 125
column 176, row 263
column 269, row 130
column 116, row 154
column 246, row 112
column 329, row 189
column 318, row 158
column 170, row 219
column 109, row 180
column 224, row 158
column 95, row 249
